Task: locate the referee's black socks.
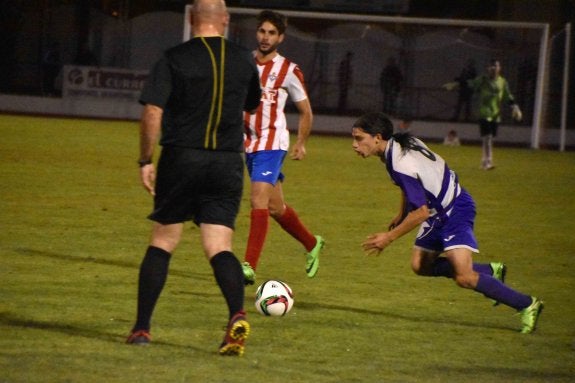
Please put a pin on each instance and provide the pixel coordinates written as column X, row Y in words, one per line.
column 153, row 275
column 230, row 278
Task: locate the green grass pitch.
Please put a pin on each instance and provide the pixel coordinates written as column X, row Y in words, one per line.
column 73, row 232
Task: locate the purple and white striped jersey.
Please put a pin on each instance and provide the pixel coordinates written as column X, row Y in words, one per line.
column 422, row 175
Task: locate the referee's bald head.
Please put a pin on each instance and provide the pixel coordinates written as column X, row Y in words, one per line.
column 209, row 17
column 209, row 8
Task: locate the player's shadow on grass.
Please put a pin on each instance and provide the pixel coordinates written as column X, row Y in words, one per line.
column 505, row 373
column 99, row 261
column 10, row 320
column 415, row 318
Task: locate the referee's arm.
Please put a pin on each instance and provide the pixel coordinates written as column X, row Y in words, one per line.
column 150, row 127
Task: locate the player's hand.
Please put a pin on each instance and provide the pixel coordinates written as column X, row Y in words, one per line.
column 450, row 85
column 148, row 177
column 516, row 113
column 375, row 243
column 298, row 152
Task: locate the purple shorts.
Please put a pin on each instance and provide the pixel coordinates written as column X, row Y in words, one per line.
column 444, row 232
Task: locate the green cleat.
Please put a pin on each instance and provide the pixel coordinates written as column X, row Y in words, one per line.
column 249, row 274
column 312, row 262
column 530, row 315
column 499, row 271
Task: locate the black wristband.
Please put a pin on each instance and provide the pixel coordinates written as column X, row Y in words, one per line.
column 143, row 163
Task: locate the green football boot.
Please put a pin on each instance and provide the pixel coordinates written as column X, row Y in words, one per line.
column 249, row 274
column 312, row 258
column 530, row 315
column 499, row 271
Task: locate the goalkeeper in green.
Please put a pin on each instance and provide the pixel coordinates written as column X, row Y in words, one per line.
column 492, row 90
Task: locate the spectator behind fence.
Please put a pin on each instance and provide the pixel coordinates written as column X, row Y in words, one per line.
column 465, row 92
column 390, row 82
column 451, row 139
column 345, row 81
column 51, row 66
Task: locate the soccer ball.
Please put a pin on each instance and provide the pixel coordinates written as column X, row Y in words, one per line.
column 274, row 298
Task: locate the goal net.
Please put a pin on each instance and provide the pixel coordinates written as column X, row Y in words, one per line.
column 427, row 52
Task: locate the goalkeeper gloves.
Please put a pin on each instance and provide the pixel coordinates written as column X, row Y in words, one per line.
column 516, row 113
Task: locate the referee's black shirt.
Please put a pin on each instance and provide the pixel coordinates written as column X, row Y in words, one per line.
column 203, row 87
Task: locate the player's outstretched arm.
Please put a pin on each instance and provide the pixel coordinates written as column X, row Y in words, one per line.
column 376, row 243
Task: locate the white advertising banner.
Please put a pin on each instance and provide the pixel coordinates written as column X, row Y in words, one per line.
column 103, row 83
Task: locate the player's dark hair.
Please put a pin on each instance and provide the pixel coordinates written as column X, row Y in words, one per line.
column 378, row 123
column 276, row 19
column 404, row 140
column 375, row 123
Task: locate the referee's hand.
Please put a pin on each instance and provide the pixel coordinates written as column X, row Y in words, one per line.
column 148, row 177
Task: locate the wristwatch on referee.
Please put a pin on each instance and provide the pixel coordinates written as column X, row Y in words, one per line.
column 143, row 163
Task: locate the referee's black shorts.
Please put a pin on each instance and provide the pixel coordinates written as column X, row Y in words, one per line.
column 200, row 185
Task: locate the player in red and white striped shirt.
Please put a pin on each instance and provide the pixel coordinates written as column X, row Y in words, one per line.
column 267, row 143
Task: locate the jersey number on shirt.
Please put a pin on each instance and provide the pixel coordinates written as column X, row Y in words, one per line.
column 426, row 152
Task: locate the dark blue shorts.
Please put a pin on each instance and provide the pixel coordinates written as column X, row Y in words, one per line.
column 200, row 185
column 266, row 166
column 454, row 230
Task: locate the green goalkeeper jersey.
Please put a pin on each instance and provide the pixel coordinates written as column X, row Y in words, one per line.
column 492, row 93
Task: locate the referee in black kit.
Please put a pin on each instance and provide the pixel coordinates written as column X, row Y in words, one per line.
column 195, row 97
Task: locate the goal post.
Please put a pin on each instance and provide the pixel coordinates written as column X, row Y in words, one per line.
column 430, row 52
column 565, row 90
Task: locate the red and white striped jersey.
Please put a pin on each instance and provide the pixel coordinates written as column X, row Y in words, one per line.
column 267, row 128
